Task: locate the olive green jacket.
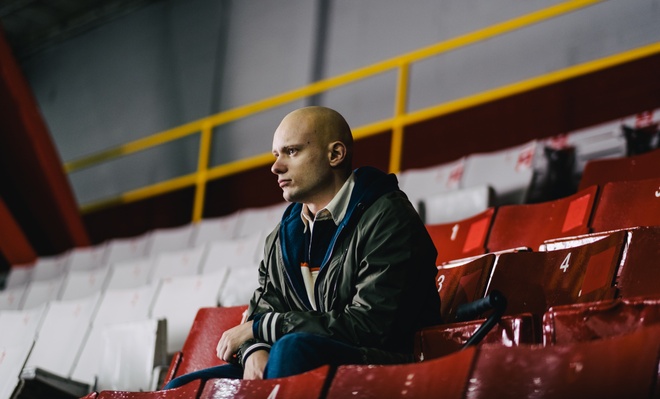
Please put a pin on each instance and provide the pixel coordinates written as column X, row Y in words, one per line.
column 376, row 286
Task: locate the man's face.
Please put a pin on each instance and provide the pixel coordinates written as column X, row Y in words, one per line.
column 302, row 163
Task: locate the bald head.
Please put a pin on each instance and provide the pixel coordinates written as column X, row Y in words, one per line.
column 322, row 125
column 313, row 147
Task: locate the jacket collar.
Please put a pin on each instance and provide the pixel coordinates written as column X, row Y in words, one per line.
column 370, row 185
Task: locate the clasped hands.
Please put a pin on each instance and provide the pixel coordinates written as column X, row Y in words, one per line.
column 232, row 340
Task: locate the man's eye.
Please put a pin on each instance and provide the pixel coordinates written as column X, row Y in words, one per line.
column 291, row 151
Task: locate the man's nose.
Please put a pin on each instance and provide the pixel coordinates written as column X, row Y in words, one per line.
column 277, row 167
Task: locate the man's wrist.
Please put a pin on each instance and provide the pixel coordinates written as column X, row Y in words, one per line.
column 248, row 348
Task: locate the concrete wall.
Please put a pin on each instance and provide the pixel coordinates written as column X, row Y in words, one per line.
column 176, row 61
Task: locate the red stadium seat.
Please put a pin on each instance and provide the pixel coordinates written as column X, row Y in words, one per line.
column 198, row 351
column 628, row 204
column 532, row 282
column 529, row 225
column 307, row 385
column 188, row 391
column 637, row 167
column 640, row 272
column 463, row 238
column 597, row 320
column 621, row 367
column 444, row 377
column 462, row 282
column 442, row 340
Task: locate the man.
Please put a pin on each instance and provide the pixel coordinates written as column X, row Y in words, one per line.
column 348, row 274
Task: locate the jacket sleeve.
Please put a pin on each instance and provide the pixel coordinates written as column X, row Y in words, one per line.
column 393, row 270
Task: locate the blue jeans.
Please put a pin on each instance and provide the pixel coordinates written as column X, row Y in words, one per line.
column 292, row 354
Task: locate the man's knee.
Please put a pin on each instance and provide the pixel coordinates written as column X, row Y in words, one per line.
column 298, row 344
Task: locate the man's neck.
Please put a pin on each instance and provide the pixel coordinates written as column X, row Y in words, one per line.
column 316, row 206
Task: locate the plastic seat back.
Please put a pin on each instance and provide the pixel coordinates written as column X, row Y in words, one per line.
column 636, row 167
column 62, row 332
column 234, row 253
column 628, row 204
column 86, row 258
column 597, row 142
column 307, row 385
column 215, row 229
column 509, row 172
column 11, row 298
column 179, row 299
column 640, row 273
column 425, row 182
column 130, row 274
column 462, row 282
column 188, row 391
column 253, row 220
column 115, row 306
column 19, row 324
column 596, row 320
column 444, row 377
column 530, row 225
column 129, row 354
column 169, row 239
column 50, row 267
column 184, row 262
column 198, row 350
column 81, row 283
column 621, row 367
column 39, row 292
column 19, row 275
column 438, row 341
column 463, row 238
column 533, row 282
column 240, row 285
column 456, row 205
column 14, row 354
column 125, row 249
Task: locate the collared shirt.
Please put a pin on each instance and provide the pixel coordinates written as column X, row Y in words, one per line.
column 336, row 210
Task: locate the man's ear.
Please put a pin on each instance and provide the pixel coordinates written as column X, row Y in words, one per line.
column 337, row 153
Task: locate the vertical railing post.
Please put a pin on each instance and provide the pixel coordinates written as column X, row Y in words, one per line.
column 202, row 169
column 400, row 108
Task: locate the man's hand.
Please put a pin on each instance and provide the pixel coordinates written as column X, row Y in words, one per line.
column 232, row 339
column 255, row 365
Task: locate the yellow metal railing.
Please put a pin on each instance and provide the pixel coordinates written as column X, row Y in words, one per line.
column 401, row 118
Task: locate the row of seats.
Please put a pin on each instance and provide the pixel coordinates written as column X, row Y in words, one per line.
column 536, row 171
column 241, row 224
column 85, row 329
column 468, row 280
column 618, row 265
column 80, row 339
column 599, row 287
column 573, row 362
column 604, row 274
column 249, row 221
column 229, row 241
column 235, row 255
column 159, row 256
column 78, row 317
column 593, row 209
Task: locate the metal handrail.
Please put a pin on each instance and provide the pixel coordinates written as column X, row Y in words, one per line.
column 401, row 118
